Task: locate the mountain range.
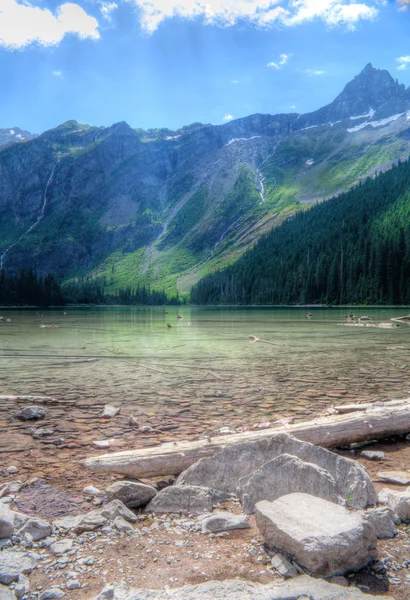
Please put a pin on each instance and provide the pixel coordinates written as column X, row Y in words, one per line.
column 164, row 207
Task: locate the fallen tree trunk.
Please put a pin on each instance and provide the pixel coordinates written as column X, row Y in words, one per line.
column 349, row 408
column 339, row 430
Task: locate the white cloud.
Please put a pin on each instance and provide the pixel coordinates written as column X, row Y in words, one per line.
column 314, row 73
column 24, row 24
column 57, row 73
column 283, row 59
column 107, row 8
column 227, row 117
column 403, row 62
column 262, row 13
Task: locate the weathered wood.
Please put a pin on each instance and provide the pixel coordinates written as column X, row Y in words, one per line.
column 349, row 408
column 339, row 430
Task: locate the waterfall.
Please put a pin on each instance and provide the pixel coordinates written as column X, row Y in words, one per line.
column 39, row 218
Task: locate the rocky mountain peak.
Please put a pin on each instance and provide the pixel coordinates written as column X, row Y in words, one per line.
column 373, row 93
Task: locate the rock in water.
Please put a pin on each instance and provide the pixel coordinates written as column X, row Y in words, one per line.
column 285, row 475
column 223, row 521
column 110, row 411
column 185, row 499
column 132, row 494
column 223, row 470
column 13, row 563
column 324, row 538
column 32, row 413
column 237, row 589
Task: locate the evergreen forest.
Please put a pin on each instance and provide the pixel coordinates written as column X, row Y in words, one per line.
column 354, row 248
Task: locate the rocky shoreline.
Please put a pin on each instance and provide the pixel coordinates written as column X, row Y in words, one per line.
column 271, row 516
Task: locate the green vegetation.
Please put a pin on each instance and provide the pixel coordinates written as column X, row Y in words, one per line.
column 354, row 248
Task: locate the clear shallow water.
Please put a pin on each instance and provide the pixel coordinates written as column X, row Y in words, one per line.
column 186, row 381
column 204, row 372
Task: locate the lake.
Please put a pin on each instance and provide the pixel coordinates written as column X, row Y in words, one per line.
column 203, row 373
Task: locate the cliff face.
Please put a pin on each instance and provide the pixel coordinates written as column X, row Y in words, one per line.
column 165, row 207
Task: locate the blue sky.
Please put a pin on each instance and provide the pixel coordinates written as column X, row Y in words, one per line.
column 168, row 63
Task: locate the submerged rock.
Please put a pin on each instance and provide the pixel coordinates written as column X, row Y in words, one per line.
column 110, row 411
column 32, row 413
column 185, row 499
column 322, row 537
column 224, row 470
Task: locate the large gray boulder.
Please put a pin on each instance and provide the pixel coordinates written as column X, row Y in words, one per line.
column 185, row 499
column 6, row 522
column 38, row 529
column 324, row 538
column 13, row 562
column 224, row 470
column 284, row 475
column 6, row 594
column 399, row 502
column 133, row 494
column 294, row 589
column 383, row 520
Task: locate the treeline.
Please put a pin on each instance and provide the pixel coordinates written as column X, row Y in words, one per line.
column 352, row 249
column 27, row 288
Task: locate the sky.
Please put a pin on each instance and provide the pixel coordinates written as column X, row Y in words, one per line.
column 169, row 63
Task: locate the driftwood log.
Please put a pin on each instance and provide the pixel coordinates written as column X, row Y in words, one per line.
column 338, row 430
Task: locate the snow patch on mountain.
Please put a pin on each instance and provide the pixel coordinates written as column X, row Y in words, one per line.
column 380, row 123
column 368, row 115
column 234, row 140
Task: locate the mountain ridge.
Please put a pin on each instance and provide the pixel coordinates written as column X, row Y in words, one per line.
column 163, row 207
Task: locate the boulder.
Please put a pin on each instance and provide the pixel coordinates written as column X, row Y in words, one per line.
column 373, row 455
column 324, row 538
column 6, row 522
column 397, row 477
column 36, row 528
column 110, row 411
column 295, row 589
column 6, row 594
column 399, row 502
column 114, row 509
column 13, row 563
column 80, row 523
column 283, row 566
column 383, row 522
column 32, row 413
column 61, row 547
column 54, row 593
column 223, row 521
column 284, row 475
column 95, row 518
column 131, row 493
column 122, row 525
column 185, row 499
column 223, row 470
column 22, row 586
